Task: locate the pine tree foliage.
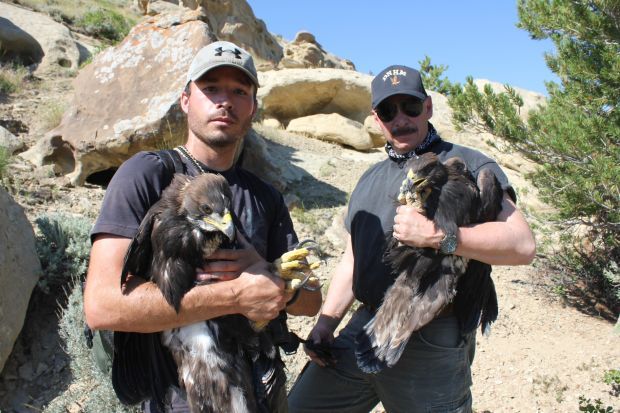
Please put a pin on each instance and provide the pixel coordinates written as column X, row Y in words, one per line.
column 575, row 138
column 432, row 77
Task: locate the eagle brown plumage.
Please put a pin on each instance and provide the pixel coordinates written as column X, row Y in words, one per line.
column 220, row 363
column 427, row 279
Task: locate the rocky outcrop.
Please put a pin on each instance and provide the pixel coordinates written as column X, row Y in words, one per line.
column 19, row 271
column 332, row 128
column 305, row 52
column 126, row 100
column 294, row 93
column 34, row 38
column 234, row 20
column 376, row 135
column 231, row 20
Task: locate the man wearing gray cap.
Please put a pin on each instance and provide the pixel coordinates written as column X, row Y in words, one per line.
column 433, row 373
column 219, row 101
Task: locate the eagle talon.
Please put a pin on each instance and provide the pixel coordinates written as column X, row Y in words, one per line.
column 294, row 268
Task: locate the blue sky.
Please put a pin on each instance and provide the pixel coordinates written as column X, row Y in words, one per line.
column 475, row 37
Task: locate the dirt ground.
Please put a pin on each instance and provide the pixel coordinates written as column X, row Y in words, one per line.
column 542, row 355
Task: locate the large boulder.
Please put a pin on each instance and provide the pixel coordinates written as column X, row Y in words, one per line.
column 332, row 128
column 19, row 271
column 35, row 38
column 305, row 52
column 231, row 20
column 294, row 93
column 126, row 100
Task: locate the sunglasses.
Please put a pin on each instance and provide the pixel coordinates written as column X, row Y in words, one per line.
column 387, row 111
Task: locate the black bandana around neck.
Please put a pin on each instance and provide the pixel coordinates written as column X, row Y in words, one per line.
column 431, row 138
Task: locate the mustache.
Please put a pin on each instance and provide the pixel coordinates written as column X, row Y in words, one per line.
column 406, row 130
column 223, row 113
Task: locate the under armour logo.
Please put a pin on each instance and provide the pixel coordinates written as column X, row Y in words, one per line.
column 236, row 52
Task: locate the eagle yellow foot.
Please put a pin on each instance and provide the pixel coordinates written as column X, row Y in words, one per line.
column 297, row 271
column 295, row 268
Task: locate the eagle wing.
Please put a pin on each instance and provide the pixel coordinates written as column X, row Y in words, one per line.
column 475, row 303
column 142, row 368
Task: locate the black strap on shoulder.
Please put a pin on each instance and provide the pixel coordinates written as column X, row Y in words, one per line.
column 172, row 160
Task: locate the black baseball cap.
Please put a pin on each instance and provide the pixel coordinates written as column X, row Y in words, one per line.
column 396, row 80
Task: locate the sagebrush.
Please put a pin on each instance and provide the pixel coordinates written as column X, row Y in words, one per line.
column 63, row 246
column 105, row 24
column 90, row 389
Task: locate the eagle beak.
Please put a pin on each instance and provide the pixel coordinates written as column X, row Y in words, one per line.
column 223, row 223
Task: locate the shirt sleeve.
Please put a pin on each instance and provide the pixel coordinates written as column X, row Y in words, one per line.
column 134, row 188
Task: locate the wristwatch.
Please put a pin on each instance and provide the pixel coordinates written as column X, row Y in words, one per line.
column 448, row 244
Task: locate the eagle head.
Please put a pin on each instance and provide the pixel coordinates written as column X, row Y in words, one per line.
column 426, row 176
column 206, row 203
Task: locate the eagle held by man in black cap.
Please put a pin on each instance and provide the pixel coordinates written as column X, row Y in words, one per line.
column 427, row 279
column 217, row 359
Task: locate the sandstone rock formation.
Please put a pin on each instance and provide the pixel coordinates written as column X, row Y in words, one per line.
column 231, row 20
column 35, row 38
column 234, row 20
column 19, row 271
column 126, row 100
column 292, row 93
column 374, row 131
column 305, row 52
column 332, row 128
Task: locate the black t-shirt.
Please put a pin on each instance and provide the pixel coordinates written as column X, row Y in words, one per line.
column 258, row 208
column 371, row 212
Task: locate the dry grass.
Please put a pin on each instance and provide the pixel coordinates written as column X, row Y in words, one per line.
column 69, row 11
column 12, row 79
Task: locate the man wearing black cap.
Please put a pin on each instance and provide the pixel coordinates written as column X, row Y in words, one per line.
column 219, row 101
column 433, row 373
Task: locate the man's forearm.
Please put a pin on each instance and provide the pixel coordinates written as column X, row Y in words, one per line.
column 140, row 306
column 507, row 241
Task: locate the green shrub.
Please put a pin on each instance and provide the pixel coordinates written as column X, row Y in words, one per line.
column 90, row 389
column 586, row 405
column 105, row 24
column 63, row 247
column 612, row 377
column 4, row 160
column 432, row 77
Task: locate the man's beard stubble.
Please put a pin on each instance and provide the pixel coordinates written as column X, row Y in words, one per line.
column 219, row 139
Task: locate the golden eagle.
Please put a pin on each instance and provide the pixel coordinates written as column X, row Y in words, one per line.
column 223, row 364
column 427, row 279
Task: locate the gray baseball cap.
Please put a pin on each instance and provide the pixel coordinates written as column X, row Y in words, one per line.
column 219, row 54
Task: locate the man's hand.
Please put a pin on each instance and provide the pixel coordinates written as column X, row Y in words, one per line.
column 260, row 295
column 321, row 338
column 414, row 229
column 227, row 264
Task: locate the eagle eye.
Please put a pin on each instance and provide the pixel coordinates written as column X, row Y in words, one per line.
column 207, row 209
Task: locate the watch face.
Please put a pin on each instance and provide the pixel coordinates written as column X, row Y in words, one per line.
column 448, row 244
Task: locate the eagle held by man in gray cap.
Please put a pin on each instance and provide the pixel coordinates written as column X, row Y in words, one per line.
column 427, row 279
column 223, row 364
